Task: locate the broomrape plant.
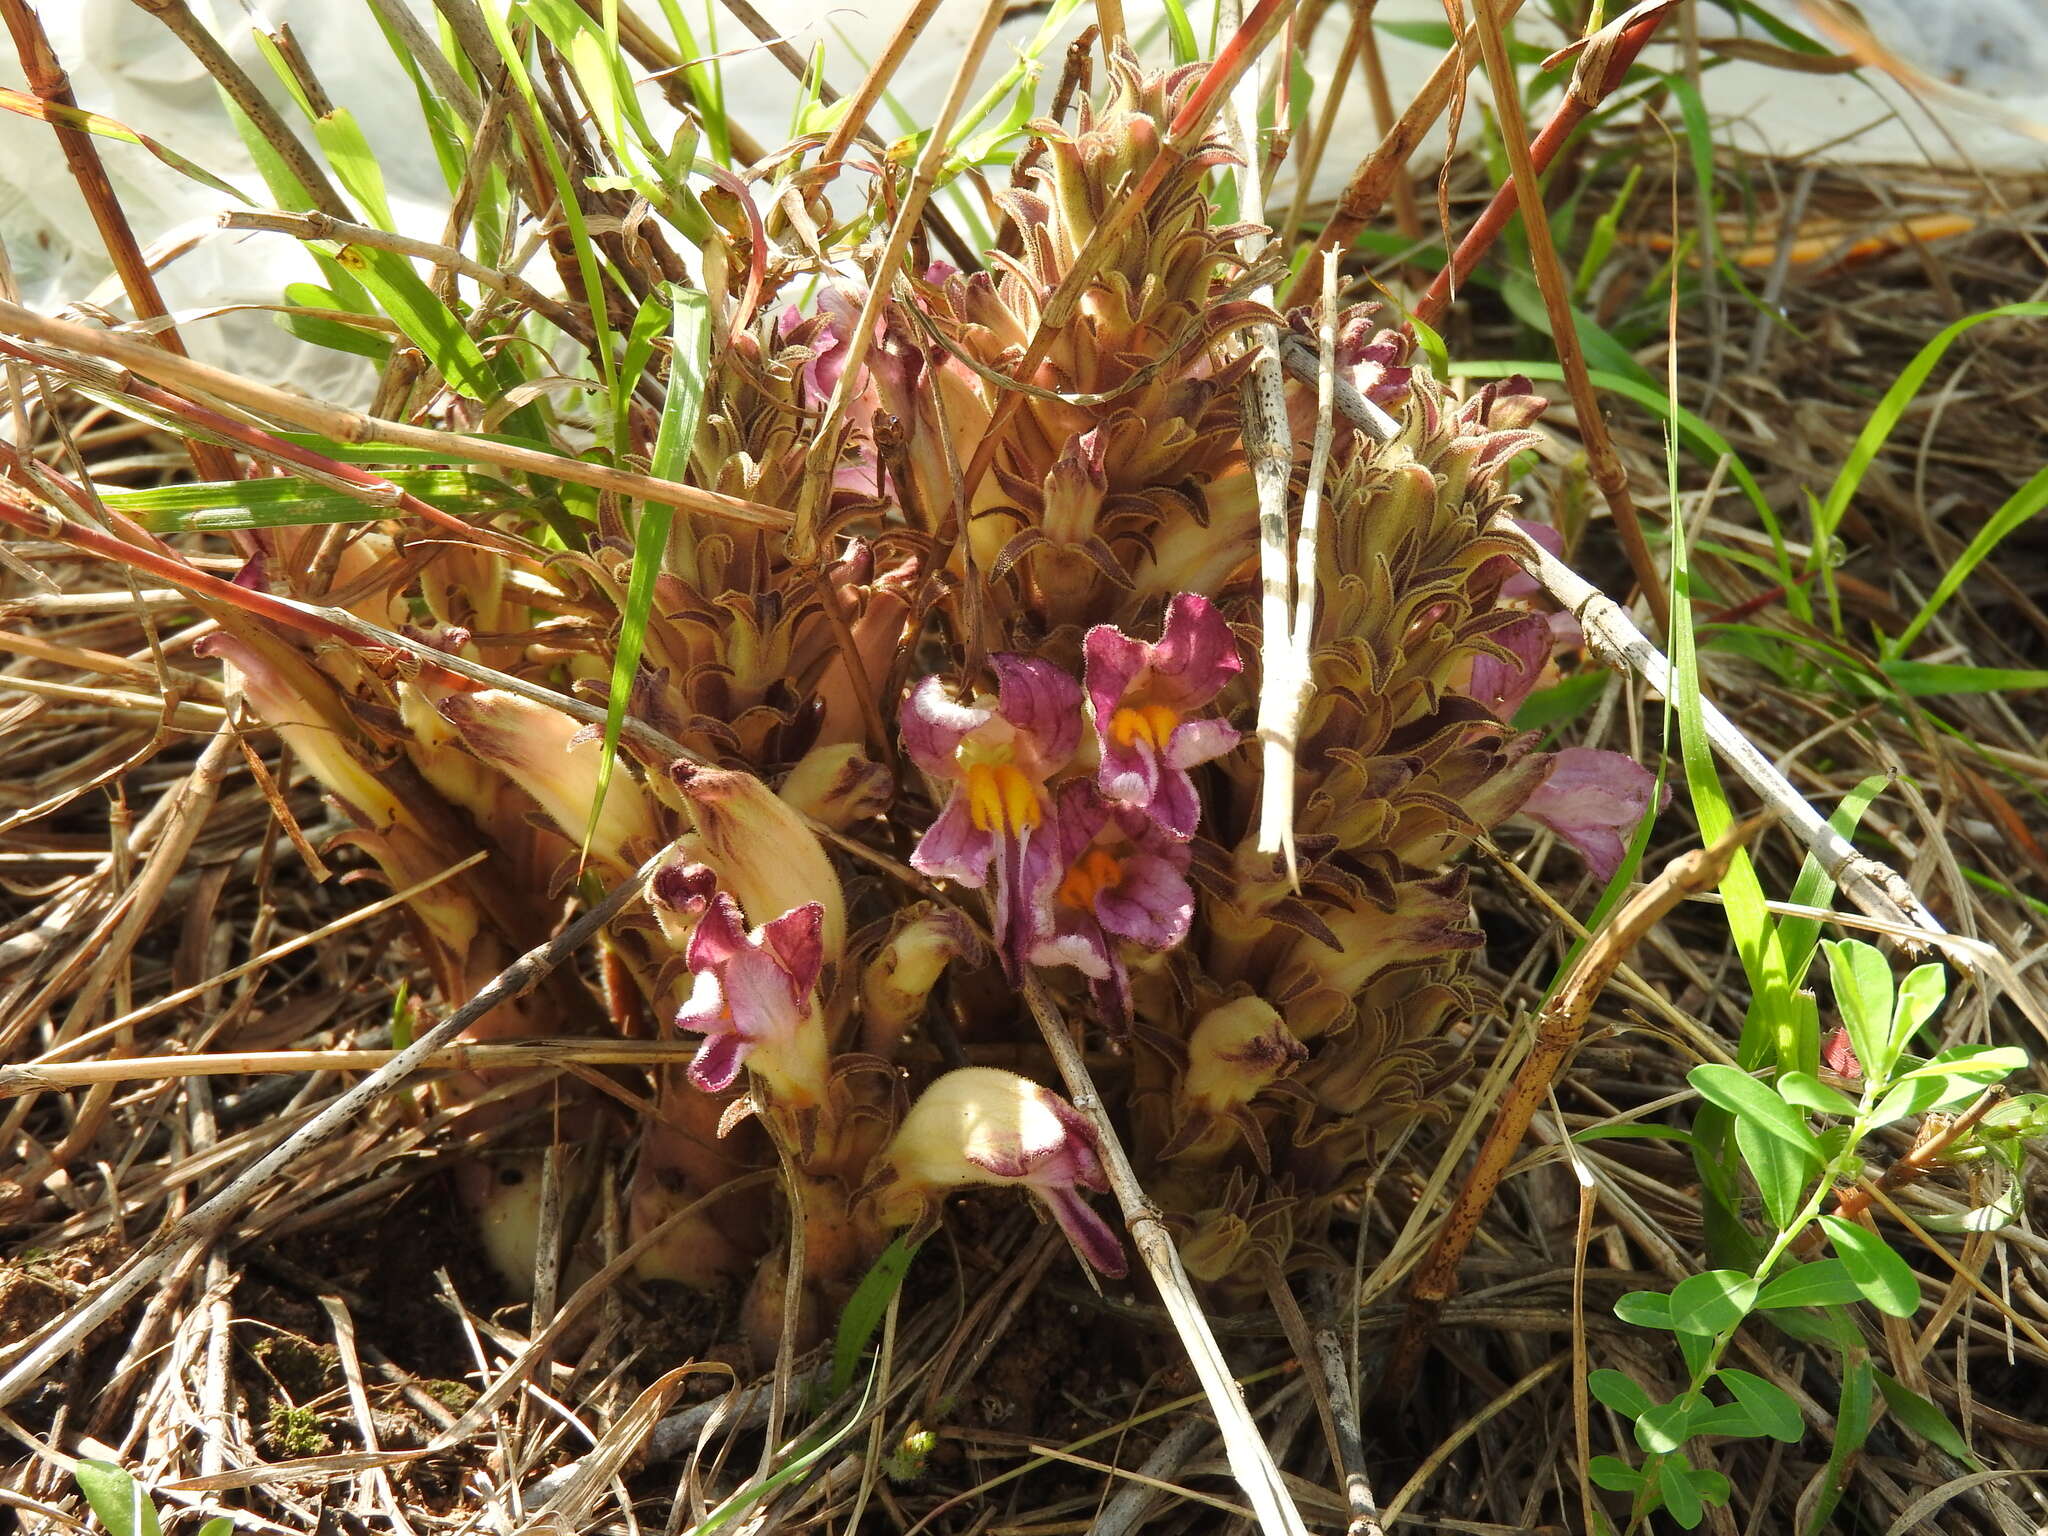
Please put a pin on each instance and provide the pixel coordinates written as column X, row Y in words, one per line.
column 1022, row 693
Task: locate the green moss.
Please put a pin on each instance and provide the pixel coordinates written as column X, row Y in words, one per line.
column 295, row 1432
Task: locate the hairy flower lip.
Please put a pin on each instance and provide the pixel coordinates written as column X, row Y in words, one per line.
column 1142, row 694
column 1594, row 800
column 1114, row 875
column 997, row 759
column 751, row 998
column 982, row 1125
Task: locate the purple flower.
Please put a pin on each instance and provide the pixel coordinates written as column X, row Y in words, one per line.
column 1594, row 800
column 1143, row 694
column 998, row 759
column 751, row 1000
column 982, row 1125
column 1503, row 684
column 1116, row 876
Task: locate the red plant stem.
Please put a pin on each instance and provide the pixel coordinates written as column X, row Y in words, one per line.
column 1572, row 111
column 1376, row 175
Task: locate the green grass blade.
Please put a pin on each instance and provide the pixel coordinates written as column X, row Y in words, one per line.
column 2019, row 507
column 864, row 1310
column 106, row 128
column 1703, row 439
column 1929, row 679
column 1884, row 420
column 690, row 362
column 289, row 501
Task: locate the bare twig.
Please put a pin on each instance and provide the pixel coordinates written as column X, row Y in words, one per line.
column 184, row 375
column 47, row 79
column 1557, row 1030
column 1366, row 192
column 207, row 1221
column 1251, row 1463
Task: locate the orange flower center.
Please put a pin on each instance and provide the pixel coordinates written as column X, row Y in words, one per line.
column 1153, row 724
column 1093, row 873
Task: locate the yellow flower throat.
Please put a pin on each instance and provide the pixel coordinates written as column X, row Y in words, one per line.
column 1000, row 798
column 1153, row 724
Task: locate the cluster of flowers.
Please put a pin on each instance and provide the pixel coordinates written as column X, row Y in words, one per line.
column 1078, row 861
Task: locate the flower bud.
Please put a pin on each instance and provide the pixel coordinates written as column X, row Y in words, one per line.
column 550, row 756
column 838, row 785
column 981, row 1125
column 1236, row 1052
column 900, row 978
column 764, row 852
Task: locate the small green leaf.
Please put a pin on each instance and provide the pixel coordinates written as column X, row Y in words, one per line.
column 1920, row 997
column 1674, row 1482
column 1852, row 1429
column 1633, row 1130
column 124, row 1509
column 1710, row 1485
column 1863, row 996
column 1713, row 1302
column 1666, row 1426
column 1770, row 1406
column 1925, row 1419
column 1981, row 1064
column 1916, row 1096
column 1645, row 1309
column 1614, row 1474
column 1802, row 1090
column 1822, row 1283
column 1619, row 1392
column 219, row 1525
column 1778, row 1168
column 1753, row 1104
column 1886, row 1280
column 1731, row 1420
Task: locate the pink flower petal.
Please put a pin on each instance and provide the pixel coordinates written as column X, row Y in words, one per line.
column 1198, row 741
column 1093, row 1238
column 953, row 847
column 1196, row 655
column 1502, row 685
column 717, row 1062
column 797, row 941
column 704, row 1011
column 1594, row 800
column 1113, row 662
column 764, row 1005
column 934, row 724
column 720, row 934
column 1152, row 904
column 1042, row 701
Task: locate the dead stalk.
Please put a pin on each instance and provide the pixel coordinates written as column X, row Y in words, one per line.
column 1251, row 1463
column 1557, row 1031
column 205, row 1222
column 1366, row 193
column 183, row 375
column 1606, row 465
column 48, row 81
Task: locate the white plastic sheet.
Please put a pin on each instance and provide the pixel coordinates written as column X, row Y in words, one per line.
column 124, row 63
